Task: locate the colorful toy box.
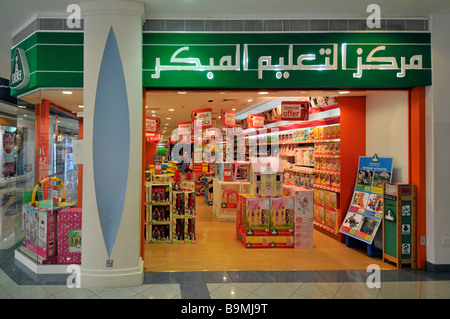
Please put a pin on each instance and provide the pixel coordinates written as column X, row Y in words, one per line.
column 254, row 215
column 69, row 236
column 281, row 216
column 160, row 233
column 189, row 231
column 190, row 209
column 178, row 203
column 39, row 235
column 178, row 230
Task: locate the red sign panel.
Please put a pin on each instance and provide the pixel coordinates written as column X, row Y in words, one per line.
column 202, row 118
column 228, row 118
column 152, row 125
column 255, row 121
column 294, row 111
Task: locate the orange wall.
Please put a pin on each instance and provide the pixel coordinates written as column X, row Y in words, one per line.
column 150, row 150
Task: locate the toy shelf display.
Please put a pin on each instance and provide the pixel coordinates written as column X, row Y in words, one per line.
column 316, row 153
column 170, row 213
column 311, row 157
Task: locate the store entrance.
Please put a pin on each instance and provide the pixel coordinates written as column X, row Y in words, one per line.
column 211, row 242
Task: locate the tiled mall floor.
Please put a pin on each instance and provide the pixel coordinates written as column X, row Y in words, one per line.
column 17, row 282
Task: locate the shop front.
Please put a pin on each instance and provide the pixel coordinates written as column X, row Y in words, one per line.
column 120, row 73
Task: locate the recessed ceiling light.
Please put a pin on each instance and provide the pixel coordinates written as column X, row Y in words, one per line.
column 263, row 92
column 153, row 115
column 153, row 111
column 168, row 118
column 21, row 106
column 171, row 110
column 344, row 92
column 233, row 109
column 166, row 124
column 219, row 117
column 66, row 92
column 146, row 106
column 249, row 100
column 182, row 92
column 80, row 106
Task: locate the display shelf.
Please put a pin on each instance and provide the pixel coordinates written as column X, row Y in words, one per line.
column 336, row 190
column 327, row 172
column 326, row 156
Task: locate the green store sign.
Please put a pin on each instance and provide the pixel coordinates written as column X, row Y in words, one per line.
column 286, row 60
column 363, row 60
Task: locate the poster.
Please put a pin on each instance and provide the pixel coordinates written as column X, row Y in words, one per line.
column 365, row 211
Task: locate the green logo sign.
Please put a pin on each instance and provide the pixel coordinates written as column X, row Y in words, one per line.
column 287, row 60
column 20, row 73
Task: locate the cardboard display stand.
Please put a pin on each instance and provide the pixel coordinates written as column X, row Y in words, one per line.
column 399, row 225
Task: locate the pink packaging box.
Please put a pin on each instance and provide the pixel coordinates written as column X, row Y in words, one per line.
column 303, row 227
column 303, row 243
column 69, row 236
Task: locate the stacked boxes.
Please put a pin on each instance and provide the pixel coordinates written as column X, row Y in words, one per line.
column 303, row 215
column 170, row 214
column 69, row 236
column 326, row 209
column 265, row 222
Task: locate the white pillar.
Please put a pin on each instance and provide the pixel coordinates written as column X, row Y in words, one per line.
column 125, row 18
column 438, row 152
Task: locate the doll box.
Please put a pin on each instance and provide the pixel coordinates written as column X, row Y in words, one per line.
column 281, row 216
column 39, row 235
column 69, row 236
column 303, row 200
column 190, row 236
column 178, row 231
column 253, row 216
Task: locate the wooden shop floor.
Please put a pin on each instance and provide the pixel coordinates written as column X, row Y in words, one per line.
column 218, row 249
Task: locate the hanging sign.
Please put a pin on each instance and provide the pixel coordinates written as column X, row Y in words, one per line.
column 152, row 125
column 228, row 118
column 20, row 72
column 255, row 121
column 184, row 127
column 365, row 212
column 294, row 111
column 202, row 118
column 152, row 137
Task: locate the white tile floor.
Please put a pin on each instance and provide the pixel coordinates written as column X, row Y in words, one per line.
column 434, row 289
column 10, row 290
column 321, row 290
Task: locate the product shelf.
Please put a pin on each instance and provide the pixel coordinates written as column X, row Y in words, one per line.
column 333, row 189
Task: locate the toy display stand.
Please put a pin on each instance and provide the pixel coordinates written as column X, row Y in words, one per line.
column 400, row 225
column 39, row 243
